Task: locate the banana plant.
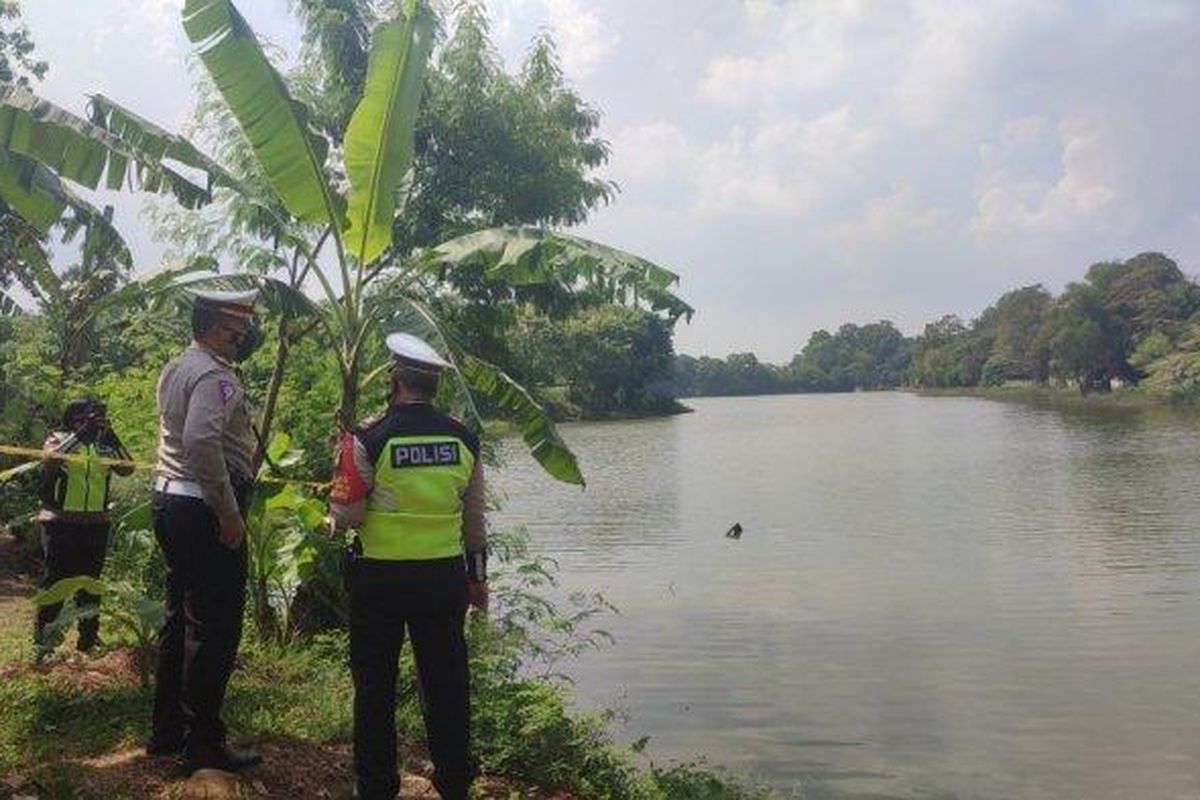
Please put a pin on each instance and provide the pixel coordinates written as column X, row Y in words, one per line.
column 331, row 212
column 370, row 276
column 42, row 148
column 125, row 609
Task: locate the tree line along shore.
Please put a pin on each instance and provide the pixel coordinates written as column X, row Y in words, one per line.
column 1126, row 324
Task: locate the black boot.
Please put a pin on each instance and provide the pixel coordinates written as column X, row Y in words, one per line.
column 222, row 757
column 89, row 635
column 45, row 616
column 451, row 788
column 165, row 744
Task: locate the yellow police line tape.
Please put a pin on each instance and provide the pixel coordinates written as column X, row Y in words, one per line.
column 35, row 457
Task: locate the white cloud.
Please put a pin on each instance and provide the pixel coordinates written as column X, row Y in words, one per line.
column 1011, row 200
column 809, row 46
column 581, row 34
column 584, row 40
column 1022, row 131
column 950, row 70
column 897, row 214
column 786, row 167
column 653, row 155
column 158, row 21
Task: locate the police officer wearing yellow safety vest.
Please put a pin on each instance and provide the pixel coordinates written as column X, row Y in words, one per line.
column 411, row 482
column 74, row 512
column 204, row 472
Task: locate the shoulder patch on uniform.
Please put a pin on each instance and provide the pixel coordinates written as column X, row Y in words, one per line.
column 228, row 389
column 425, row 454
column 371, row 421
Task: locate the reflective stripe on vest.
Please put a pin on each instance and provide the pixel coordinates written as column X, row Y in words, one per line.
column 87, row 482
column 414, row 512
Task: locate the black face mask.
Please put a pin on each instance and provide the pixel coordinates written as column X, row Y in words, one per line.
column 249, row 342
column 87, row 431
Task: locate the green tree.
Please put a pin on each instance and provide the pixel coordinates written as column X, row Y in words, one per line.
column 1153, row 347
column 1144, row 295
column 879, row 354
column 747, row 375
column 949, row 353
column 1173, row 368
column 18, row 64
column 1013, row 324
column 817, row 368
column 873, row 356
column 74, row 302
column 737, row 374
column 1087, row 344
column 612, row 359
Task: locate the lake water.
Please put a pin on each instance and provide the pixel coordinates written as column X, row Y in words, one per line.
column 933, row 597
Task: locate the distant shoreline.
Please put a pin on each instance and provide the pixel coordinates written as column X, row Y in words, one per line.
column 1047, row 396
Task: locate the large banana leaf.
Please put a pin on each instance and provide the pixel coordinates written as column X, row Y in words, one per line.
column 476, row 375
column 152, row 143
column 85, row 153
column 379, row 139
column 66, row 588
column 274, row 123
column 277, row 296
column 537, row 428
column 35, row 194
column 31, row 191
column 532, row 256
column 157, row 287
column 40, row 278
column 100, row 238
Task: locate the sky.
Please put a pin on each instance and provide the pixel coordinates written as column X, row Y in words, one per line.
column 801, row 164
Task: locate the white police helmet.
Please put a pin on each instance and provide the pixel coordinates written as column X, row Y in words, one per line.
column 412, row 351
column 238, row 304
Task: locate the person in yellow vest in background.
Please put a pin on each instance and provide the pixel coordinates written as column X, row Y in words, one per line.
column 74, row 509
column 410, row 481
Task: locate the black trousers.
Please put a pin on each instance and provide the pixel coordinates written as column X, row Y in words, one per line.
column 428, row 598
column 71, row 549
column 206, row 597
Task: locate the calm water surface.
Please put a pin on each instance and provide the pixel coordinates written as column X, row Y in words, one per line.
column 933, row 597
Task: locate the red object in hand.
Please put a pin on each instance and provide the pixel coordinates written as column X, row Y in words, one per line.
column 348, row 485
column 477, row 595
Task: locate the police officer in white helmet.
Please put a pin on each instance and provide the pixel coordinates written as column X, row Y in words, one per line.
column 204, row 474
column 410, row 482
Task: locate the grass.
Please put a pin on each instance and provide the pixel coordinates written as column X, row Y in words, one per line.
column 302, row 692
column 73, row 727
column 1124, row 399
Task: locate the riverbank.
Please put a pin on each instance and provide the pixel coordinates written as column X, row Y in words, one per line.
column 496, row 428
column 73, row 726
column 1046, row 396
column 558, row 403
